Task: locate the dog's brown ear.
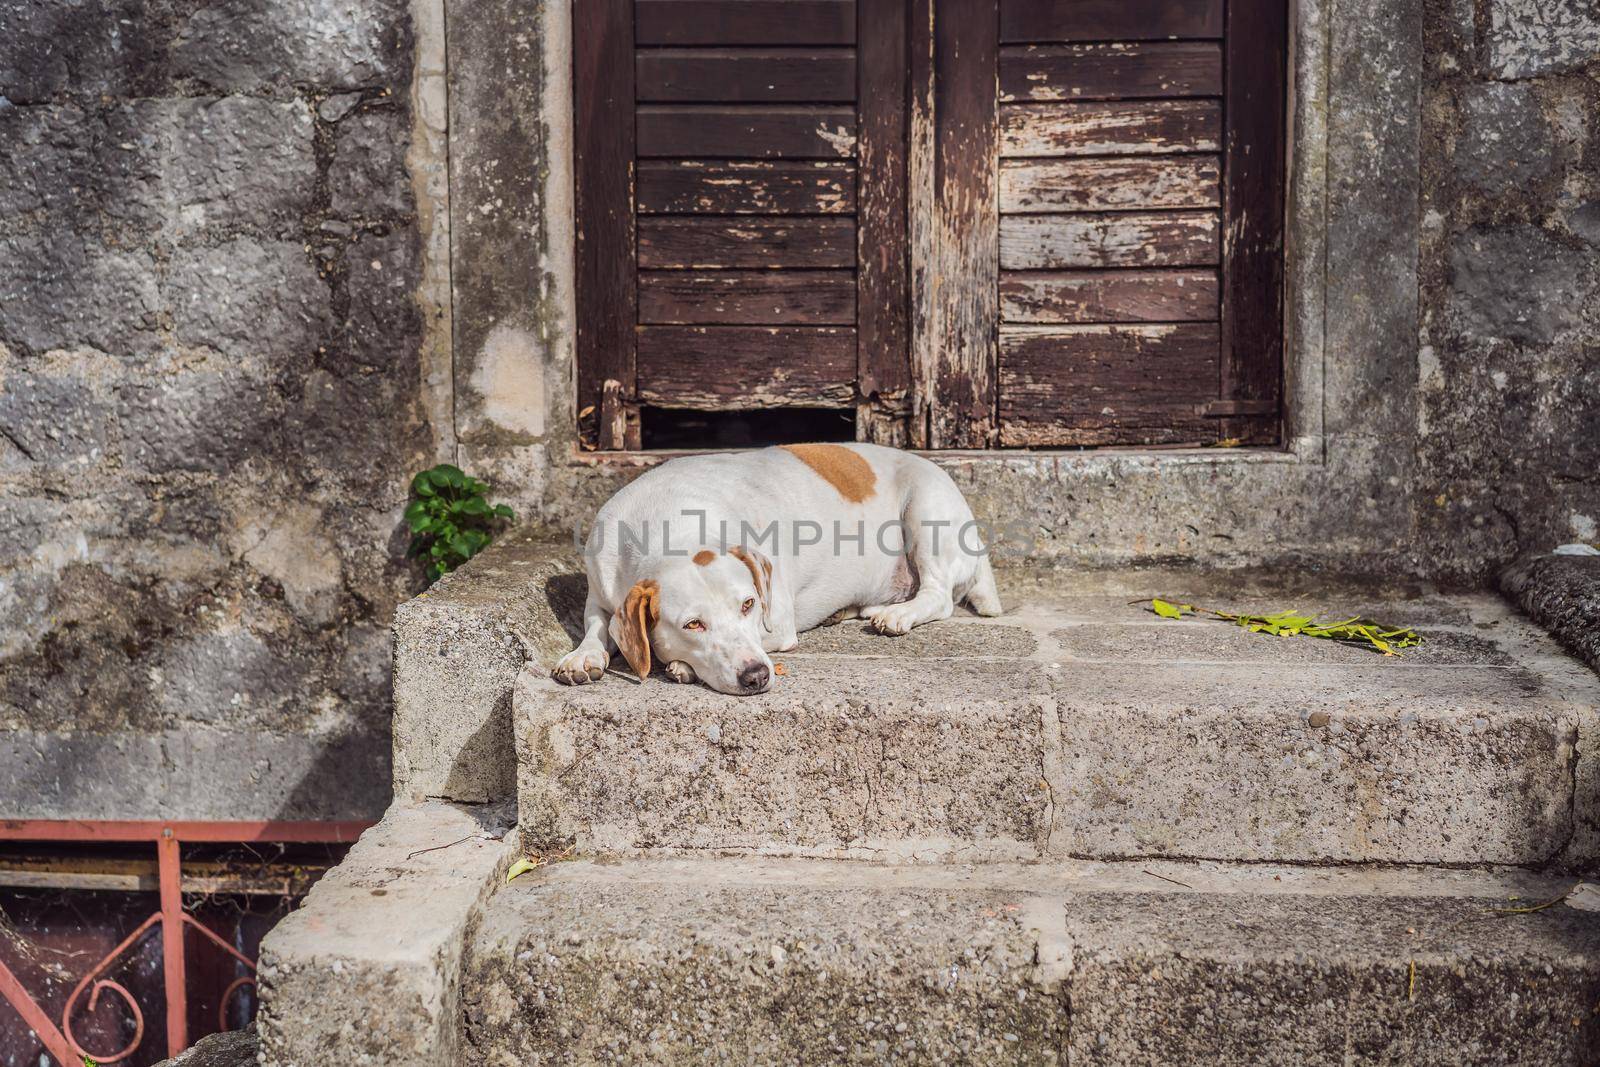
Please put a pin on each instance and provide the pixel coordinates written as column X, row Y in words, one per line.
column 640, row 611
column 760, row 568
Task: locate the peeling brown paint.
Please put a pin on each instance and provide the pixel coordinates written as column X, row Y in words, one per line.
column 1123, row 127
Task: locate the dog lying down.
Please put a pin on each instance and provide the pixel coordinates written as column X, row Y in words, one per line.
column 709, row 563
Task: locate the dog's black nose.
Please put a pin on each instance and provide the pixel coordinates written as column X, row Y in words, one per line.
column 754, row 677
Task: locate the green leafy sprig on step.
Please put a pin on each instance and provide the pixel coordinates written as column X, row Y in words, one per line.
column 1358, row 631
column 450, row 519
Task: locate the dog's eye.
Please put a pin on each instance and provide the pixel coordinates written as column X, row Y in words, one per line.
column 748, row 604
column 694, row 624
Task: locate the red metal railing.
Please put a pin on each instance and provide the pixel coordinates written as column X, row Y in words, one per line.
column 168, row 838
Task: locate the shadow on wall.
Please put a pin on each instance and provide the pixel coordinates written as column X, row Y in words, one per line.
column 566, row 595
column 348, row 779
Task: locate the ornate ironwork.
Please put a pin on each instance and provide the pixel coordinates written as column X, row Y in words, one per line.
column 60, row 1042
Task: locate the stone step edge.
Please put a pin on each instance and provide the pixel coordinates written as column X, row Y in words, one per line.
column 665, row 960
column 1165, row 875
column 369, row 964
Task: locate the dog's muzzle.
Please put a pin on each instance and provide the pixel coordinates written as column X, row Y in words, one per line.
column 754, row 677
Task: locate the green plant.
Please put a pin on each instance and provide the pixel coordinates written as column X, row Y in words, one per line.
column 1358, row 631
column 450, row 519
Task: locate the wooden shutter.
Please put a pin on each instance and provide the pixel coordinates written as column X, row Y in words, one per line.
column 1137, row 173
column 741, row 207
column 1046, row 222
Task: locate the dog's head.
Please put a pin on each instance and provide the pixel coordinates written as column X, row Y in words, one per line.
column 710, row 611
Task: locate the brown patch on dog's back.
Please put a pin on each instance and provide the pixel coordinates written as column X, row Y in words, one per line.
column 703, row 557
column 840, row 467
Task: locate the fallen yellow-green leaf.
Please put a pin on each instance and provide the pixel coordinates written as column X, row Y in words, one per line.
column 1169, row 610
column 1357, row 631
column 524, row 865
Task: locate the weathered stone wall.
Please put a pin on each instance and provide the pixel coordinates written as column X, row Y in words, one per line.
column 210, row 402
column 1509, row 358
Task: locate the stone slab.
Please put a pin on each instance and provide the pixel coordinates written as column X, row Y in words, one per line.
column 613, row 968
column 1167, row 978
column 234, row 1048
column 814, row 961
column 366, row 971
column 457, row 651
column 1117, row 735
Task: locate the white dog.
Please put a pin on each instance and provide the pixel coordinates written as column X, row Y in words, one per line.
column 708, row 563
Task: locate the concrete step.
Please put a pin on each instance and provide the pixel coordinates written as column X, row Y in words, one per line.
column 366, row 971
column 1085, row 726
column 814, row 961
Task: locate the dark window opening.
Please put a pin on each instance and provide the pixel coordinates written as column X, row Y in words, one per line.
column 674, row 428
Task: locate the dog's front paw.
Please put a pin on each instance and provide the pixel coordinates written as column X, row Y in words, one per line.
column 581, row 666
column 893, row 619
column 681, row 671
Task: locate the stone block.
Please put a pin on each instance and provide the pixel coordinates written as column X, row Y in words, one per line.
column 1518, row 283
column 240, row 161
column 82, row 48
column 1506, row 145
column 1201, row 978
column 47, row 163
column 757, row 971
column 1106, row 736
column 1529, row 38
column 458, row 649
column 811, row 962
column 362, row 430
column 1372, row 212
column 56, row 411
column 381, row 277
column 178, row 164
column 191, row 773
column 366, row 971
column 204, row 418
column 243, row 45
column 509, row 223
column 246, row 297
column 60, row 289
column 368, row 178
